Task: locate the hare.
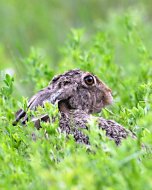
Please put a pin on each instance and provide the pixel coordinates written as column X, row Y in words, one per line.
column 78, row 95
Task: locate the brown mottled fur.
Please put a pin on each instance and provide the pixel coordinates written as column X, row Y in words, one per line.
column 77, row 100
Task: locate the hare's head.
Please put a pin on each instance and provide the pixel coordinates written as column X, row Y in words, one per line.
column 74, row 89
column 80, row 90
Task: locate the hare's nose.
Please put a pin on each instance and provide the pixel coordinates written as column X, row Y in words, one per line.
column 109, row 90
column 107, row 96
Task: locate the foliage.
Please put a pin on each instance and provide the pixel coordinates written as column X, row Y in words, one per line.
column 45, row 158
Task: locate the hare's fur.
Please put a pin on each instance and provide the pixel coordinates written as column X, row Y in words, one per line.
column 77, row 100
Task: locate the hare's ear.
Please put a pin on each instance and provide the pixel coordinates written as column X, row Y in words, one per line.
column 63, row 94
column 19, row 115
column 53, row 96
column 39, row 98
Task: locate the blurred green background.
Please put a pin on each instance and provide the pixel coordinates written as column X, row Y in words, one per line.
column 46, row 23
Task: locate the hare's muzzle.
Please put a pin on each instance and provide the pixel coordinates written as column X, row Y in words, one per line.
column 107, row 97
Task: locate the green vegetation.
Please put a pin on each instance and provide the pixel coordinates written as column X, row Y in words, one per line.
column 116, row 46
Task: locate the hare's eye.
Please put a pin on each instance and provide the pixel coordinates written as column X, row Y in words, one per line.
column 89, row 80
